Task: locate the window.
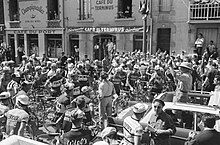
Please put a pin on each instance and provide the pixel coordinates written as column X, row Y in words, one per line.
column 54, row 45
column 1, row 12
column 164, row 5
column 138, row 39
column 13, row 10
column 74, row 41
column 53, row 9
column 84, row 9
column 182, row 119
column 124, row 8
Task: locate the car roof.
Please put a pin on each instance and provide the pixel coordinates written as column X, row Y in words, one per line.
column 192, row 108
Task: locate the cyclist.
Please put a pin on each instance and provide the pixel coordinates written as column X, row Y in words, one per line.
column 132, row 129
column 116, row 80
column 56, row 82
column 52, row 71
column 13, row 85
column 89, row 106
column 133, row 77
column 75, row 81
column 157, row 80
column 17, row 118
column 74, row 120
column 5, row 79
column 25, row 87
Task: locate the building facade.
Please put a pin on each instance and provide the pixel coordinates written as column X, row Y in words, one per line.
column 53, row 26
column 93, row 24
column 36, row 26
column 2, row 21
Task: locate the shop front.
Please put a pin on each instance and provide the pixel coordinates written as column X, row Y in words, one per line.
column 35, row 41
column 96, row 42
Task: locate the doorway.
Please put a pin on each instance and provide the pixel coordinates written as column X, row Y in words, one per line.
column 163, row 39
column 33, row 44
column 100, row 42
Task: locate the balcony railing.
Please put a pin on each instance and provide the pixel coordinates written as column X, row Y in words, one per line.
column 53, row 23
column 14, row 24
column 204, row 11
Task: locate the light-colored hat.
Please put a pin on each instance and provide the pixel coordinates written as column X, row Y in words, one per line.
column 186, row 65
column 108, row 131
column 140, row 108
column 100, row 143
column 23, row 99
column 85, row 89
column 4, row 95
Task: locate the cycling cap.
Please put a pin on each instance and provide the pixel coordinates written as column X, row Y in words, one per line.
column 140, row 108
column 4, row 95
column 38, row 68
column 11, row 62
column 25, row 83
column 104, row 75
column 77, row 114
column 23, row 99
column 69, row 86
column 85, row 89
column 108, row 131
column 69, row 59
column 136, row 67
column 5, row 68
column 53, row 65
column 186, row 65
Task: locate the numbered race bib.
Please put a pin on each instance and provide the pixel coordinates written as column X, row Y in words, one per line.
column 83, row 77
column 56, row 83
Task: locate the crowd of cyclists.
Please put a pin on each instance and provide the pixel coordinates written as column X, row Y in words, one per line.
column 70, row 90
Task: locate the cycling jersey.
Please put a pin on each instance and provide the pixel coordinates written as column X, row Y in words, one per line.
column 14, row 118
column 131, row 128
column 56, row 82
column 61, row 103
column 133, row 77
column 76, row 89
column 12, row 87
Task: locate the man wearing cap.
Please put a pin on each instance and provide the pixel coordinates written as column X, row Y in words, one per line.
column 132, row 77
column 184, row 81
column 108, row 137
column 132, row 129
column 161, row 124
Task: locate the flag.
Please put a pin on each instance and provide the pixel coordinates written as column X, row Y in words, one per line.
column 144, row 8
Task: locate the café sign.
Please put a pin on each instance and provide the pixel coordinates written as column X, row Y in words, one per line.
column 106, row 29
column 104, row 5
column 34, row 31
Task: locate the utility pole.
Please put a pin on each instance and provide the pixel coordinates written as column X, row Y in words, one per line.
column 144, row 10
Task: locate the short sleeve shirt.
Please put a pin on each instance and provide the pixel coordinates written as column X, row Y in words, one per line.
column 14, row 117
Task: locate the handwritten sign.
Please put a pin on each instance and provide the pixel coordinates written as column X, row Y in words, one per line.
column 104, row 5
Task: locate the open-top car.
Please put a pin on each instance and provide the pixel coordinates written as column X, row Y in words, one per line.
column 191, row 120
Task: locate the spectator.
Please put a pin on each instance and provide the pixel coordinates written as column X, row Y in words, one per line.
column 199, row 45
column 209, row 136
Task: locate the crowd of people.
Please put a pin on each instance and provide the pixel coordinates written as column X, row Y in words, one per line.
column 80, row 86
